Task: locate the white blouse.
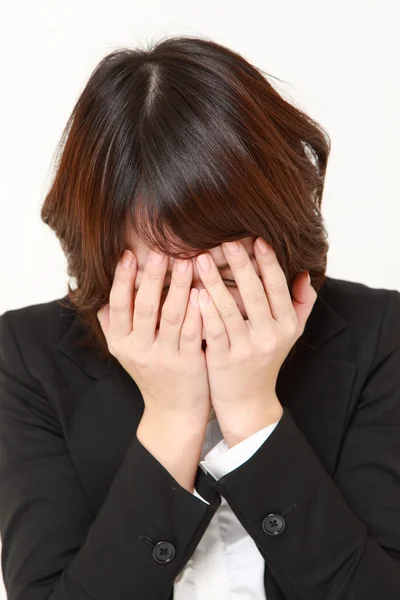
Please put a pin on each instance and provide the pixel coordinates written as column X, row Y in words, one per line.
column 226, row 564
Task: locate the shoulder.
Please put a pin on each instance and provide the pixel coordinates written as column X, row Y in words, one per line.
column 356, row 301
column 371, row 315
column 344, row 293
column 42, row 323
column 29, row 336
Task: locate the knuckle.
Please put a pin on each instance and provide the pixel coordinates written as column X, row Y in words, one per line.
column 189, row 335
column 277, row 287
column 215, row 280
column 268, row 259
column 140, row 361
column 255, row 296
column 244, row 354
column 144, row 310
column 153, row 275
column 118, row 306
column 122, row 276
column 228, row 310
column 179, row 283
column 243, row 264
column 217, row 334
column 169, row 316
column 270, row 345
column 191, row 314
column 165, row 363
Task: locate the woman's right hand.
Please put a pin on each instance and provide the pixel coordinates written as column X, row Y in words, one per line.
column 168, row 366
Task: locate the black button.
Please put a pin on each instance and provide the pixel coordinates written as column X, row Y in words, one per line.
column 273, row 524
column 163, row 552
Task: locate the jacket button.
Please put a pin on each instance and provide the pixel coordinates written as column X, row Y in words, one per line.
column 163, row 552
column 273, row 524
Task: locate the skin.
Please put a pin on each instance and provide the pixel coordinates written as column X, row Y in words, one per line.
column 142, row 252
column 249, row 330
column 244, row 357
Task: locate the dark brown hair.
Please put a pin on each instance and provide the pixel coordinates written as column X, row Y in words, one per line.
column 187, row 145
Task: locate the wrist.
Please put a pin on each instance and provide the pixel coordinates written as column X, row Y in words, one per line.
column 175, row 441
column 179, row 422
column 239, row 424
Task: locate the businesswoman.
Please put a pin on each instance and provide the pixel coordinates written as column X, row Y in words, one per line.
column 195, row 419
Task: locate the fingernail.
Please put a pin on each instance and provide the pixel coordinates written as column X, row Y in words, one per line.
column 204, row 262
column 127, row 259
column 262, row 245
column 182, row 266
column 232, row 247
column 194, row 297
column 309, row 278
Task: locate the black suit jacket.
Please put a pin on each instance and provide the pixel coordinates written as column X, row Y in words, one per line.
column 84, row 506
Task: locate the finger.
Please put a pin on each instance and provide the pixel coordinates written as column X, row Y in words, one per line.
column 222, row 299
column 147, row 301
column 175, row 306
column 216, row 334
column 249, row 285
column 190, row 335
column 275, row 284
column 122, row 297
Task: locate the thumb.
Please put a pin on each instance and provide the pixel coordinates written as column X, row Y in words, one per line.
column 103, row 315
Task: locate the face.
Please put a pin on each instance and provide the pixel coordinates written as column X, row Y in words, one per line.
column 141, row 252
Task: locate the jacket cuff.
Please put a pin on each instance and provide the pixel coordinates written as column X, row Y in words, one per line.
column 221, row 460
column 196, row 493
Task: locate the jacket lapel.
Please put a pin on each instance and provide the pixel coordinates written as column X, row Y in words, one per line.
column 317, row 382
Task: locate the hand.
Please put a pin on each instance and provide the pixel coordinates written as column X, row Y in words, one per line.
column 244, row 357
column 169, row 367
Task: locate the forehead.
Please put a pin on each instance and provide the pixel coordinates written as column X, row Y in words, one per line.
column 142, row 251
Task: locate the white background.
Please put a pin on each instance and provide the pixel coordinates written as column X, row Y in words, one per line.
column 339, row 59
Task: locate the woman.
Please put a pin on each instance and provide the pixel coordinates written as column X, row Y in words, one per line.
column 155, row 446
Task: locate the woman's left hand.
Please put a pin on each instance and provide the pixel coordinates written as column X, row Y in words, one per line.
column 244, row 357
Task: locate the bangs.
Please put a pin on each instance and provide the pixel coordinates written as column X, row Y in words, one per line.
column 211, row 191
column 182, row 224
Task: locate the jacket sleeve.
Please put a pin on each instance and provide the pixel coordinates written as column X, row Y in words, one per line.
column 52, row 547
column 332, row 538
column 222, row 459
